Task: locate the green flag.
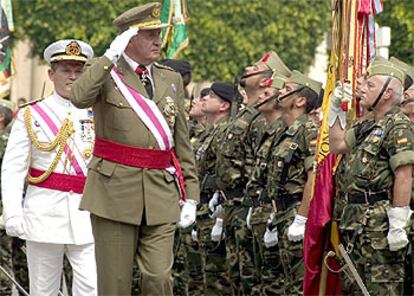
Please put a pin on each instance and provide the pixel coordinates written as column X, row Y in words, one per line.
column 175, row 37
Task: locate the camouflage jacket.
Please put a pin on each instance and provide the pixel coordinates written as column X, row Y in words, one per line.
column 301, row 138
column 206, row 155
column 235, row 160
column 198, row 133
column 4, row 137
column 370, row 165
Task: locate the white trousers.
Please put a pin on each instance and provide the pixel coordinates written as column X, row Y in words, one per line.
column 45, row 264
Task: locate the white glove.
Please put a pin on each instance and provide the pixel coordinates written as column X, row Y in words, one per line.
column 14, row 226
column 194, row 235
column 398, row 218
column 214, row 201
column 188, row 213
column 342, row 92
column 249, row 218
column 296, row 230
column 217, row 231
column 119, row 44
column 218, row 213
column 271, row 236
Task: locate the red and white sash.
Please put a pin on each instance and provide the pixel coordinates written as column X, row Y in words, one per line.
column 147, row 111
column 50, row 126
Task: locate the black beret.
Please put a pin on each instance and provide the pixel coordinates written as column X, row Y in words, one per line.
column 181, row 66
column 224, row 91
column 204, row 92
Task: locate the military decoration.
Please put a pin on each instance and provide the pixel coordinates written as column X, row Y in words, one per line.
column 170, row 111
column 87, row 130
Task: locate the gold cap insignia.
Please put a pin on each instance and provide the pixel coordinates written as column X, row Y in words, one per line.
column 156, row 11
column 73, row 48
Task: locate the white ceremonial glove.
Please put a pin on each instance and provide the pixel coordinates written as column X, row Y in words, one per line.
column 218, row 213
column 213, row 202
column 296, row 230
column 188, row 213
column 217, row 231
column 249, row 218
column 271, row 236
column 14, row 226
column 194, row 235
column 342, row 92
column 119, row 44
column 398, row 218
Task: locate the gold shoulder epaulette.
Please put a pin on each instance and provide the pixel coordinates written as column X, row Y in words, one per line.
column 158, row 65
column 31, row 102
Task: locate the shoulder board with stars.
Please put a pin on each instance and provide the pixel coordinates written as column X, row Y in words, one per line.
column 158, row 65
column 31, row 102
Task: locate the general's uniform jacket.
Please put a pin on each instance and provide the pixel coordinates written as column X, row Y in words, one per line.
column 119, row 192
column 50, row 216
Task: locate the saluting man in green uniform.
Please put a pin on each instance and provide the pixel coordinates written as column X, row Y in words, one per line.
column 141, row 157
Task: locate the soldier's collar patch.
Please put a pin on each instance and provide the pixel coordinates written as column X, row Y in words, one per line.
column 402, row 141
column 378, row 132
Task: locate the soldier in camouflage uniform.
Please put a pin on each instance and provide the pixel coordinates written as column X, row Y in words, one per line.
column 267, row 261
column 198, row 129
column 234, row 163
column 216, row 106
column 374, row 181
column 290, row 177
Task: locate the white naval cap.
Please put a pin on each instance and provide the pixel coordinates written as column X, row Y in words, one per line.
column 68, row 49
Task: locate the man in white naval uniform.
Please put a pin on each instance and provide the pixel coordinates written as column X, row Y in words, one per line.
column 49, row 147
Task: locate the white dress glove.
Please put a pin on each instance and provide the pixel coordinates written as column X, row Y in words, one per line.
column 119, row 44
column 188, row 213
column 14, row 226
column 296, row 230
column 214, row 201
column 271, row 235
column 398, row 218
column 342, row 92
column 217, row 231
column 194, row 235
column 218, row 213
column 249, row 218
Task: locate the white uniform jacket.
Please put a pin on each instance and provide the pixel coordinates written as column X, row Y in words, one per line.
column 50, row 216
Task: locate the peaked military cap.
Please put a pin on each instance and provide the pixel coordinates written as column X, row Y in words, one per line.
column 144, row 17
column 301, row 79
column 275, row 63
column 225, row 91
column 181, row 66
column 409, row 71
column 68, row 49
column 386, row 68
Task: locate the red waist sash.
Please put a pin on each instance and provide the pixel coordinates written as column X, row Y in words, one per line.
column 139, row 157
column 61, row 182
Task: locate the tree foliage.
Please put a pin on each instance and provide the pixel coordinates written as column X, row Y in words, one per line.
column 399, row 16
column 225, row 36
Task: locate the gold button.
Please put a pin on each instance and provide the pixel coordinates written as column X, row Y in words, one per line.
column 120, row 104
column 106, row 67
column 150, row 147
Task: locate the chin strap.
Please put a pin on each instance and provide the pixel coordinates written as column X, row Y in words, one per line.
column 384, row 88
column 279, row 99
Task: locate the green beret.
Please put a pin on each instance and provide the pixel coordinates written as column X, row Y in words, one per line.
column 144, row 17
column 385, row 68
column 303, row 80
column 275, row 63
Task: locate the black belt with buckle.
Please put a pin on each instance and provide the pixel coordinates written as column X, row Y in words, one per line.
column 287, row 201
column 366, row 197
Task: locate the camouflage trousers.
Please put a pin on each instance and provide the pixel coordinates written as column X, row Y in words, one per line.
column 13, row 259
column 240, row 254
column 268, row 263
column 366, row 227
column 188, row 266
column 291, row 254
column 409, row 265
column 213, row 256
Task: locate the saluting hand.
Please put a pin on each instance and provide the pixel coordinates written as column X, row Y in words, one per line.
column 119, row 44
